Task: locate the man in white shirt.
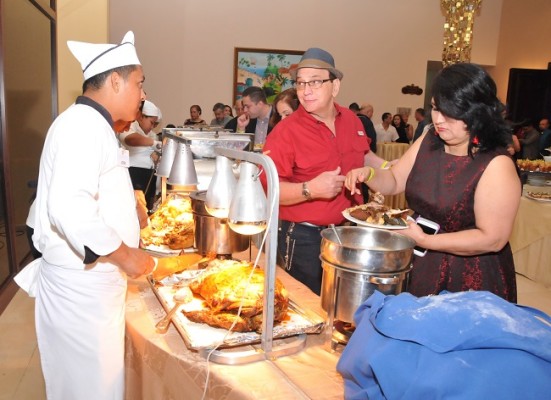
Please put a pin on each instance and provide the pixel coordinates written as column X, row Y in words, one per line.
column 385, row 131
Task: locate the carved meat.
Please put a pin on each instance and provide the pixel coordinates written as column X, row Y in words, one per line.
column 224, row 288
column 376, row 213
column 171, row 225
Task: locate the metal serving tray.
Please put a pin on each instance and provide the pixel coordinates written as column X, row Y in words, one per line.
column 203, row 142
column 202, row 336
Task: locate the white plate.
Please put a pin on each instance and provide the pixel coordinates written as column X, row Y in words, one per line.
column 537, row 199
column 346, row 214
column 162, row 249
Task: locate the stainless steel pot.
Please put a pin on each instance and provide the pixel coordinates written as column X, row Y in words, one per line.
column 366, row 249
column 343, row 291
column 365, row 260
column 214, row 234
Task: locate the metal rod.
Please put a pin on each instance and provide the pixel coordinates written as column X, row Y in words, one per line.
column 272, row 180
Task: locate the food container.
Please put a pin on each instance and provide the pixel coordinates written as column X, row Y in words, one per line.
column 365, row 260
column 203, row 144
column 213, row 235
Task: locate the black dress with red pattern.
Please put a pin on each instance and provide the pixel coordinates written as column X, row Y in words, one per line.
column 441, row 188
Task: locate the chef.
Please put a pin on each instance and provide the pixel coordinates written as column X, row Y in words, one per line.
column 143, row 147
column 86, row 227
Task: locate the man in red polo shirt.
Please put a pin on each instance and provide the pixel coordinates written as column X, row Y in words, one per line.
column 313, row 149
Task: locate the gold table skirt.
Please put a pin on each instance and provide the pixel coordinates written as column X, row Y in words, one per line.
column 393, row 151
column 531, row 238
column 162, row 367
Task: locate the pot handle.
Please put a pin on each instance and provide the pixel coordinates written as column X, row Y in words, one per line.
column 377, row 280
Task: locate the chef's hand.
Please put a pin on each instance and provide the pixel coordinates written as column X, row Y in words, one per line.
column 242, row 122
column 355, row 176
column 134, row 262
column 326, row 185
column 157, row 145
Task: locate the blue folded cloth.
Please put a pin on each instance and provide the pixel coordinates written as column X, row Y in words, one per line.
column 466, row 345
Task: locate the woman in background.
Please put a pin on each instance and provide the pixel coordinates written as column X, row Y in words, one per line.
column 195, row 116
column 459, row 175
column 228, row 111
column 401, row 128
column 285, row 103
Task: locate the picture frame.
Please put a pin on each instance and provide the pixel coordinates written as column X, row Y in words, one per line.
column 266, row 68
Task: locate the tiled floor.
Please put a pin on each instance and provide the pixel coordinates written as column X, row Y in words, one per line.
column 20, row 373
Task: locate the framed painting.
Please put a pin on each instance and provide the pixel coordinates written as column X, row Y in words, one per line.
column 265, row 68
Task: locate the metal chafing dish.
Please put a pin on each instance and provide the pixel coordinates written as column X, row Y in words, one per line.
column 357, row 261
column 203, row 141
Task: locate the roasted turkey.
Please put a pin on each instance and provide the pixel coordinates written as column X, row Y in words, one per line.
column 224, row 286
column 171, row 225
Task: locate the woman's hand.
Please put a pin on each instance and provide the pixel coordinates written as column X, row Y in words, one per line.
column 355, row 176
column 415, row 232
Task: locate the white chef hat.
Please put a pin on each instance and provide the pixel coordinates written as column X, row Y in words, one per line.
column 151, row 110
column 97, row 58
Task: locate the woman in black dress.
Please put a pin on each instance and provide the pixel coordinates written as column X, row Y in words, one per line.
column 401, row 128
column 459, row 175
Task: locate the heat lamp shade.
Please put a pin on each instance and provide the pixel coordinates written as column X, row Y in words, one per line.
column 221, row 189
column 248, row 209
column 167, row 158
column 183, row 171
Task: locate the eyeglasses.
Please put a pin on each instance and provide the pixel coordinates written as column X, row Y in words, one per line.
column 316, row 84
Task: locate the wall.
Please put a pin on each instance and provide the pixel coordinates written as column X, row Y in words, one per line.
column 81, row 20
column 187, row 47
column 27, row 57
column 524, row 40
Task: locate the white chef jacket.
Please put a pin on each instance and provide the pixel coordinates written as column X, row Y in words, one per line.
column 140, row 156
column 85, row 205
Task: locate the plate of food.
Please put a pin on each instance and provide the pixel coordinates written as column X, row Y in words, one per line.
column 377, row 215
column 171, row 228
column 539, row 196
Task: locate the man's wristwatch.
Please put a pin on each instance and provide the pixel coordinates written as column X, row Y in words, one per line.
column 306, row 192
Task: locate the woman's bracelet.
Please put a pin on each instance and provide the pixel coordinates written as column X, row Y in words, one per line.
column 384, row 164
column 371, row 174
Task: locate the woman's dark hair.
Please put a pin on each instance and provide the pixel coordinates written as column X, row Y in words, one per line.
column 197, row 108
column 229, row 108
column 466, row 92
column 288, row 96
column 402, row 123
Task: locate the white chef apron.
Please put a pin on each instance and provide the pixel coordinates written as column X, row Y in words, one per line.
column 80, row 329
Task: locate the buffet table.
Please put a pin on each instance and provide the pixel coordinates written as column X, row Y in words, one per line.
column 393, row 151
column 531, row 238
column 162, row 367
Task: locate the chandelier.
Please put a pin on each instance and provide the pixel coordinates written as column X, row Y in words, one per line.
column 458, row 29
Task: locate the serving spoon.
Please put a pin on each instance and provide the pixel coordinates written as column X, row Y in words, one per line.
column 181, row 297
column 332, row 226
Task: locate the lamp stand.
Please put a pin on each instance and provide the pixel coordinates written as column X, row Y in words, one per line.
column 268, row 349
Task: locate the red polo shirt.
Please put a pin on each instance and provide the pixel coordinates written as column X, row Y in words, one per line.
column 303, row 147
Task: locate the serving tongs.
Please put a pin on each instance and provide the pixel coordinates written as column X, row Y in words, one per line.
column 194, row 271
